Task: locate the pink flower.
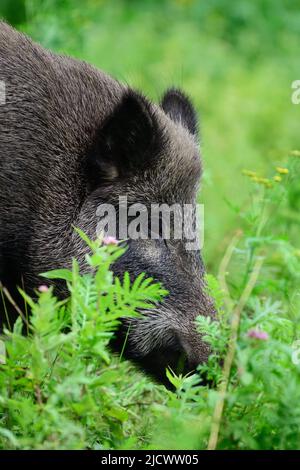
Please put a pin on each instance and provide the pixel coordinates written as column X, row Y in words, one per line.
column 262, row 335
column 110, row 241
column 43, row 288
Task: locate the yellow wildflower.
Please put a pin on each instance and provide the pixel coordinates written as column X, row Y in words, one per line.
column 295, row 153
column 264, row 181
column 282, row 171
column 249, row 173
column 255, row 179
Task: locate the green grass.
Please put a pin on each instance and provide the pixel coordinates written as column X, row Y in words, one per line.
column 237, row 62
column 60, row 387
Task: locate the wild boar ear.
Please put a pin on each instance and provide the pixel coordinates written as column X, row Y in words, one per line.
column 128, row 141
column 178, row 106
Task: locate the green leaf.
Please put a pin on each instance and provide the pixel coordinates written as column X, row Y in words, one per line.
column 64, row 274
column 118, row 413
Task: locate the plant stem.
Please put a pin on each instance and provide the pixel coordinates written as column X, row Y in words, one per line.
column 13, row 303
column 218, row 411
column 223, row 269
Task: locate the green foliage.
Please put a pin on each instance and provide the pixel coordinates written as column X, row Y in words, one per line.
column 60, row 387
column 14, row 12
column 262, row 400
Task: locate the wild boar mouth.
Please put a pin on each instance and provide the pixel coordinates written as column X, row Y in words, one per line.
column 157, row 362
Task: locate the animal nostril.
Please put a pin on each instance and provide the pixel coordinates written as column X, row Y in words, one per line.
column 183, row 360
column 193, row 364
column 195, row 351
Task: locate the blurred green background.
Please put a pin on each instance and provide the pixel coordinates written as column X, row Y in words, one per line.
column 236, row 60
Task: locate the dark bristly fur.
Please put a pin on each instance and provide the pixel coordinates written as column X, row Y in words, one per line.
column 176, row 104
column 71, row 138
